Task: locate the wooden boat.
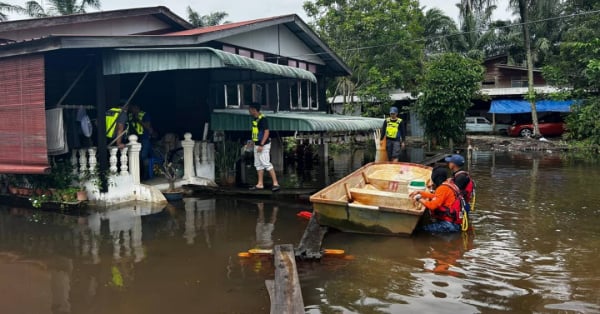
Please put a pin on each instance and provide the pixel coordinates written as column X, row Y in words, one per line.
column 373, row 199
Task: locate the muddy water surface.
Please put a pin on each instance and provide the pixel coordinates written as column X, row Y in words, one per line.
column 534, row 249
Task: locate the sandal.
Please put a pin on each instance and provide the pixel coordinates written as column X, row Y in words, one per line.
column 256, row 188
column 276, row 188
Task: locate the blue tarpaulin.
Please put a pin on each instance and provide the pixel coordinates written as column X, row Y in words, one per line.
column 523, row 106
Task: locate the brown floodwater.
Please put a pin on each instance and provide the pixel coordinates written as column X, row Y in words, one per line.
column 535, row 248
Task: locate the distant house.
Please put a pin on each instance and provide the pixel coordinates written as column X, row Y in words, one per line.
column 187, row 77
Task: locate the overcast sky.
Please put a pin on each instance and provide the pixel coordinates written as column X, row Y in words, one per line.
column 240, row 10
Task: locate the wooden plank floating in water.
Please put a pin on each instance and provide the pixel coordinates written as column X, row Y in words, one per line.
column 284, row 291
column 312, row 239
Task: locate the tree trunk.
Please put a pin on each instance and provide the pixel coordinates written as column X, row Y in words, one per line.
column 523, row 10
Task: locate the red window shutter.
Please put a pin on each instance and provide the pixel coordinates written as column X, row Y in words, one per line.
column 22, row 115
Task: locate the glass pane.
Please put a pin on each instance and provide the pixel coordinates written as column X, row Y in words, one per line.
column 231, row 95
column 246, row 93
column 314, row 97
column 293, row 95
column 304, row 91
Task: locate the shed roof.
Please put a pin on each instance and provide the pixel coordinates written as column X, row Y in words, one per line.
column 239, row 120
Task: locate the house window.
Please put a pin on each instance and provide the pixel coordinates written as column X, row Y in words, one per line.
column 314, row 97
column 304, row 94
column 259, row 56
column 232, row 97
column 292, row 63
column 245, row 53
column 229, row 49
column 312, row 68
column 518, row 81
column 294, row 95
column 302, row 65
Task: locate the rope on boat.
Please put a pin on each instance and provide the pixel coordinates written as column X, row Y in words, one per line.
column 465, row 221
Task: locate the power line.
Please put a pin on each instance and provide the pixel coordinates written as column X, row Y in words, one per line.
column 454, row 34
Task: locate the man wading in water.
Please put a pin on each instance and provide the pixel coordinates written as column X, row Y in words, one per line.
column 262, row 147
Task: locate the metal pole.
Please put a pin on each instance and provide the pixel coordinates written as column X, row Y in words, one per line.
column 72, row 85
column 101, row 119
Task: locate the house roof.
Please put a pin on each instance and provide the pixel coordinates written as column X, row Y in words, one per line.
column 190, row 37
column 292, row 21
column 160, row 12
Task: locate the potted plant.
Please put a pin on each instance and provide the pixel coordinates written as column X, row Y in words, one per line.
column 227, row 156
column 169, row 170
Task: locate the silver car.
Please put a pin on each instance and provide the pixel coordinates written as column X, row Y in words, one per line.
column 483, row 125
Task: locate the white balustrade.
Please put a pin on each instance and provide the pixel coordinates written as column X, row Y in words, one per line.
column 124, row 161
column 188, row 156
column 83, row 161
column 92, row 159
column 134, row 158
column 113, row 160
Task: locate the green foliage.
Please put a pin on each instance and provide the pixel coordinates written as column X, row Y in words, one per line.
column 449, row 83
column 58, row 7
column 227, row 153
column 212, row 19
column 378, row 39
column 577, row 69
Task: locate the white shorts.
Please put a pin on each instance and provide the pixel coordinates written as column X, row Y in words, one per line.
column 262, row 160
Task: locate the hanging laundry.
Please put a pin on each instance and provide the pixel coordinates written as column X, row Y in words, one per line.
column 56, row 136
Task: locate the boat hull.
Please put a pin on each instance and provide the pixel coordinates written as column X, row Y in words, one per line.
column 357, row 203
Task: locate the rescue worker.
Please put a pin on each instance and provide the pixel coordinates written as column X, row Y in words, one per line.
column 392, row 131
column 140, row 125
column 461, row 178
column 262, row 147
column 116, row 124
column 442, row 204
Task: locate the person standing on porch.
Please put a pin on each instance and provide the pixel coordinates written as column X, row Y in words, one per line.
column 262, row 147
column 140, row 123
column 116, row 125
column 394, row 135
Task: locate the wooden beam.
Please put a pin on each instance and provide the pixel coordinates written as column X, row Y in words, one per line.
column 312, row 239
column 287, row 295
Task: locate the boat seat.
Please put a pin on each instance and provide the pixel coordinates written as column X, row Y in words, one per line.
column 387, row 199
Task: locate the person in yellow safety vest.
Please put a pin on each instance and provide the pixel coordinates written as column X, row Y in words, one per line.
column 140, row 125
column 262, row 147
column 116, row 124
column 394, row 132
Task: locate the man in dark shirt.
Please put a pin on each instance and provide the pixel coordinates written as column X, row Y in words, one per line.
column 262, row 147
column 461, row 178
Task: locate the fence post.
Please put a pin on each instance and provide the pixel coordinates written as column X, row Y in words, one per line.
column 82, row 161
column 134, row 158
column 93, row 161
column 124, row 161
column 74, row 161
column 188, row 156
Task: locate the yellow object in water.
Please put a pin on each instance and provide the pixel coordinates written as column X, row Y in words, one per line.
column 333, row 252
column 260, row 251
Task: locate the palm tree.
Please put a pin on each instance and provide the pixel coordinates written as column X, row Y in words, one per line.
column 527, row 8
column 59, row 7
column 438, row 29
column 8, row 8
column 212, row 19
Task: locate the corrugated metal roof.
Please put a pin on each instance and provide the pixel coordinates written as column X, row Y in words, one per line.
column 240, row 120
column 222, row 27
column 142, row 60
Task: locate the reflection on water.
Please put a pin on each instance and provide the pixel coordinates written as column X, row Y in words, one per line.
column 534, row 249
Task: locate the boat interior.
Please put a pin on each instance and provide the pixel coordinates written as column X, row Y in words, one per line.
column 378, row 185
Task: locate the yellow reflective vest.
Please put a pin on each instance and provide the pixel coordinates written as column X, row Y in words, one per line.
column 111, row 121
column 255, row 131
column 392, row 128
column 137, row 125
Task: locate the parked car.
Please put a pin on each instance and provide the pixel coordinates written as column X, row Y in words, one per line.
column 546, row 129
column 483, row 125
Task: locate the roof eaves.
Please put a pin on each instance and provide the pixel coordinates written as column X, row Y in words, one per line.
column 168, row 15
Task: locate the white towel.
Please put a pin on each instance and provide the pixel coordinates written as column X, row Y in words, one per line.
column 56, row 135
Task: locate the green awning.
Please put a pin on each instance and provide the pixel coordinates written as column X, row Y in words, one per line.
column 239, row 120
column 140, row 60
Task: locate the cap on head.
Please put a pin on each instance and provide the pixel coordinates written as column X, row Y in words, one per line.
column 255, row 105
column 393, row 110
column 456, row 159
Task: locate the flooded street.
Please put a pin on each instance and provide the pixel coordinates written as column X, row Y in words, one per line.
column 534, row 249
